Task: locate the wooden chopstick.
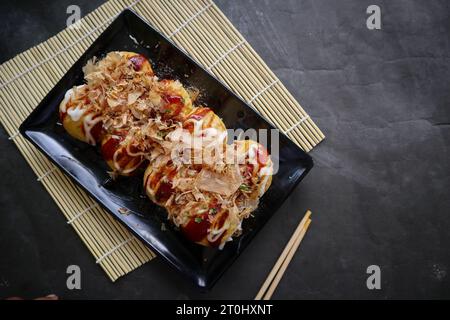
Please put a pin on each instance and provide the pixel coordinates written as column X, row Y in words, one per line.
column 283, row 261
column 286, row 262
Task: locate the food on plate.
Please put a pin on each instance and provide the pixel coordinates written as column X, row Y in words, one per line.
column 207, row 186
column 209, row 201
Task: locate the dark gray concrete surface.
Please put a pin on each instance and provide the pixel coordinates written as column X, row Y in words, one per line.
column 379, row 190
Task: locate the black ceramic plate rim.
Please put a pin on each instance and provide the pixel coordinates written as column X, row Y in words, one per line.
column 24, row 129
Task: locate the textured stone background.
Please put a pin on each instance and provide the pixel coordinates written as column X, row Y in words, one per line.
column 379, row 190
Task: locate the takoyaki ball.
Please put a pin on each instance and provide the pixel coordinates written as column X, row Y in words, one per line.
column 121, row 153
column 79, row 116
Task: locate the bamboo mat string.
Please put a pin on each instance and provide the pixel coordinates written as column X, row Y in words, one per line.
column 200, row 29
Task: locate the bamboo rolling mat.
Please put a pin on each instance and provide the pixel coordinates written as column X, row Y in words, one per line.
column 199, row 28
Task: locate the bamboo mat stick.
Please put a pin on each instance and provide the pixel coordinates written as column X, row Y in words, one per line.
column 283, row 261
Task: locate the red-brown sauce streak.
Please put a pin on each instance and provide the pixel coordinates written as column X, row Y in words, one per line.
column 96, row 131
column 200, row 113
column 110, row 147
column 126, row 161
column 197, row 115
column 155, row 179
column 173, row 107
column 138, row 61
column 196, row 231
column 223, row 217
column 174, row 99
column 62, row 116
column 249, row 171
column 165, row 189
column 164, row 192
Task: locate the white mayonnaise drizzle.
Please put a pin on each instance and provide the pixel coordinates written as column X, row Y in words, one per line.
column 121, row 170
column 134, row 154
column 88, row 123
column 209, row 133
column 252, row 152
column 67, row 97
column 222, row 245
column 213, row 234
column 198, row 125
column 266, row 171
column 239, row 228
column 76, row 113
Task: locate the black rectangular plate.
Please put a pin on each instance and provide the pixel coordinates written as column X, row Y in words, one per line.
column 83, row 163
